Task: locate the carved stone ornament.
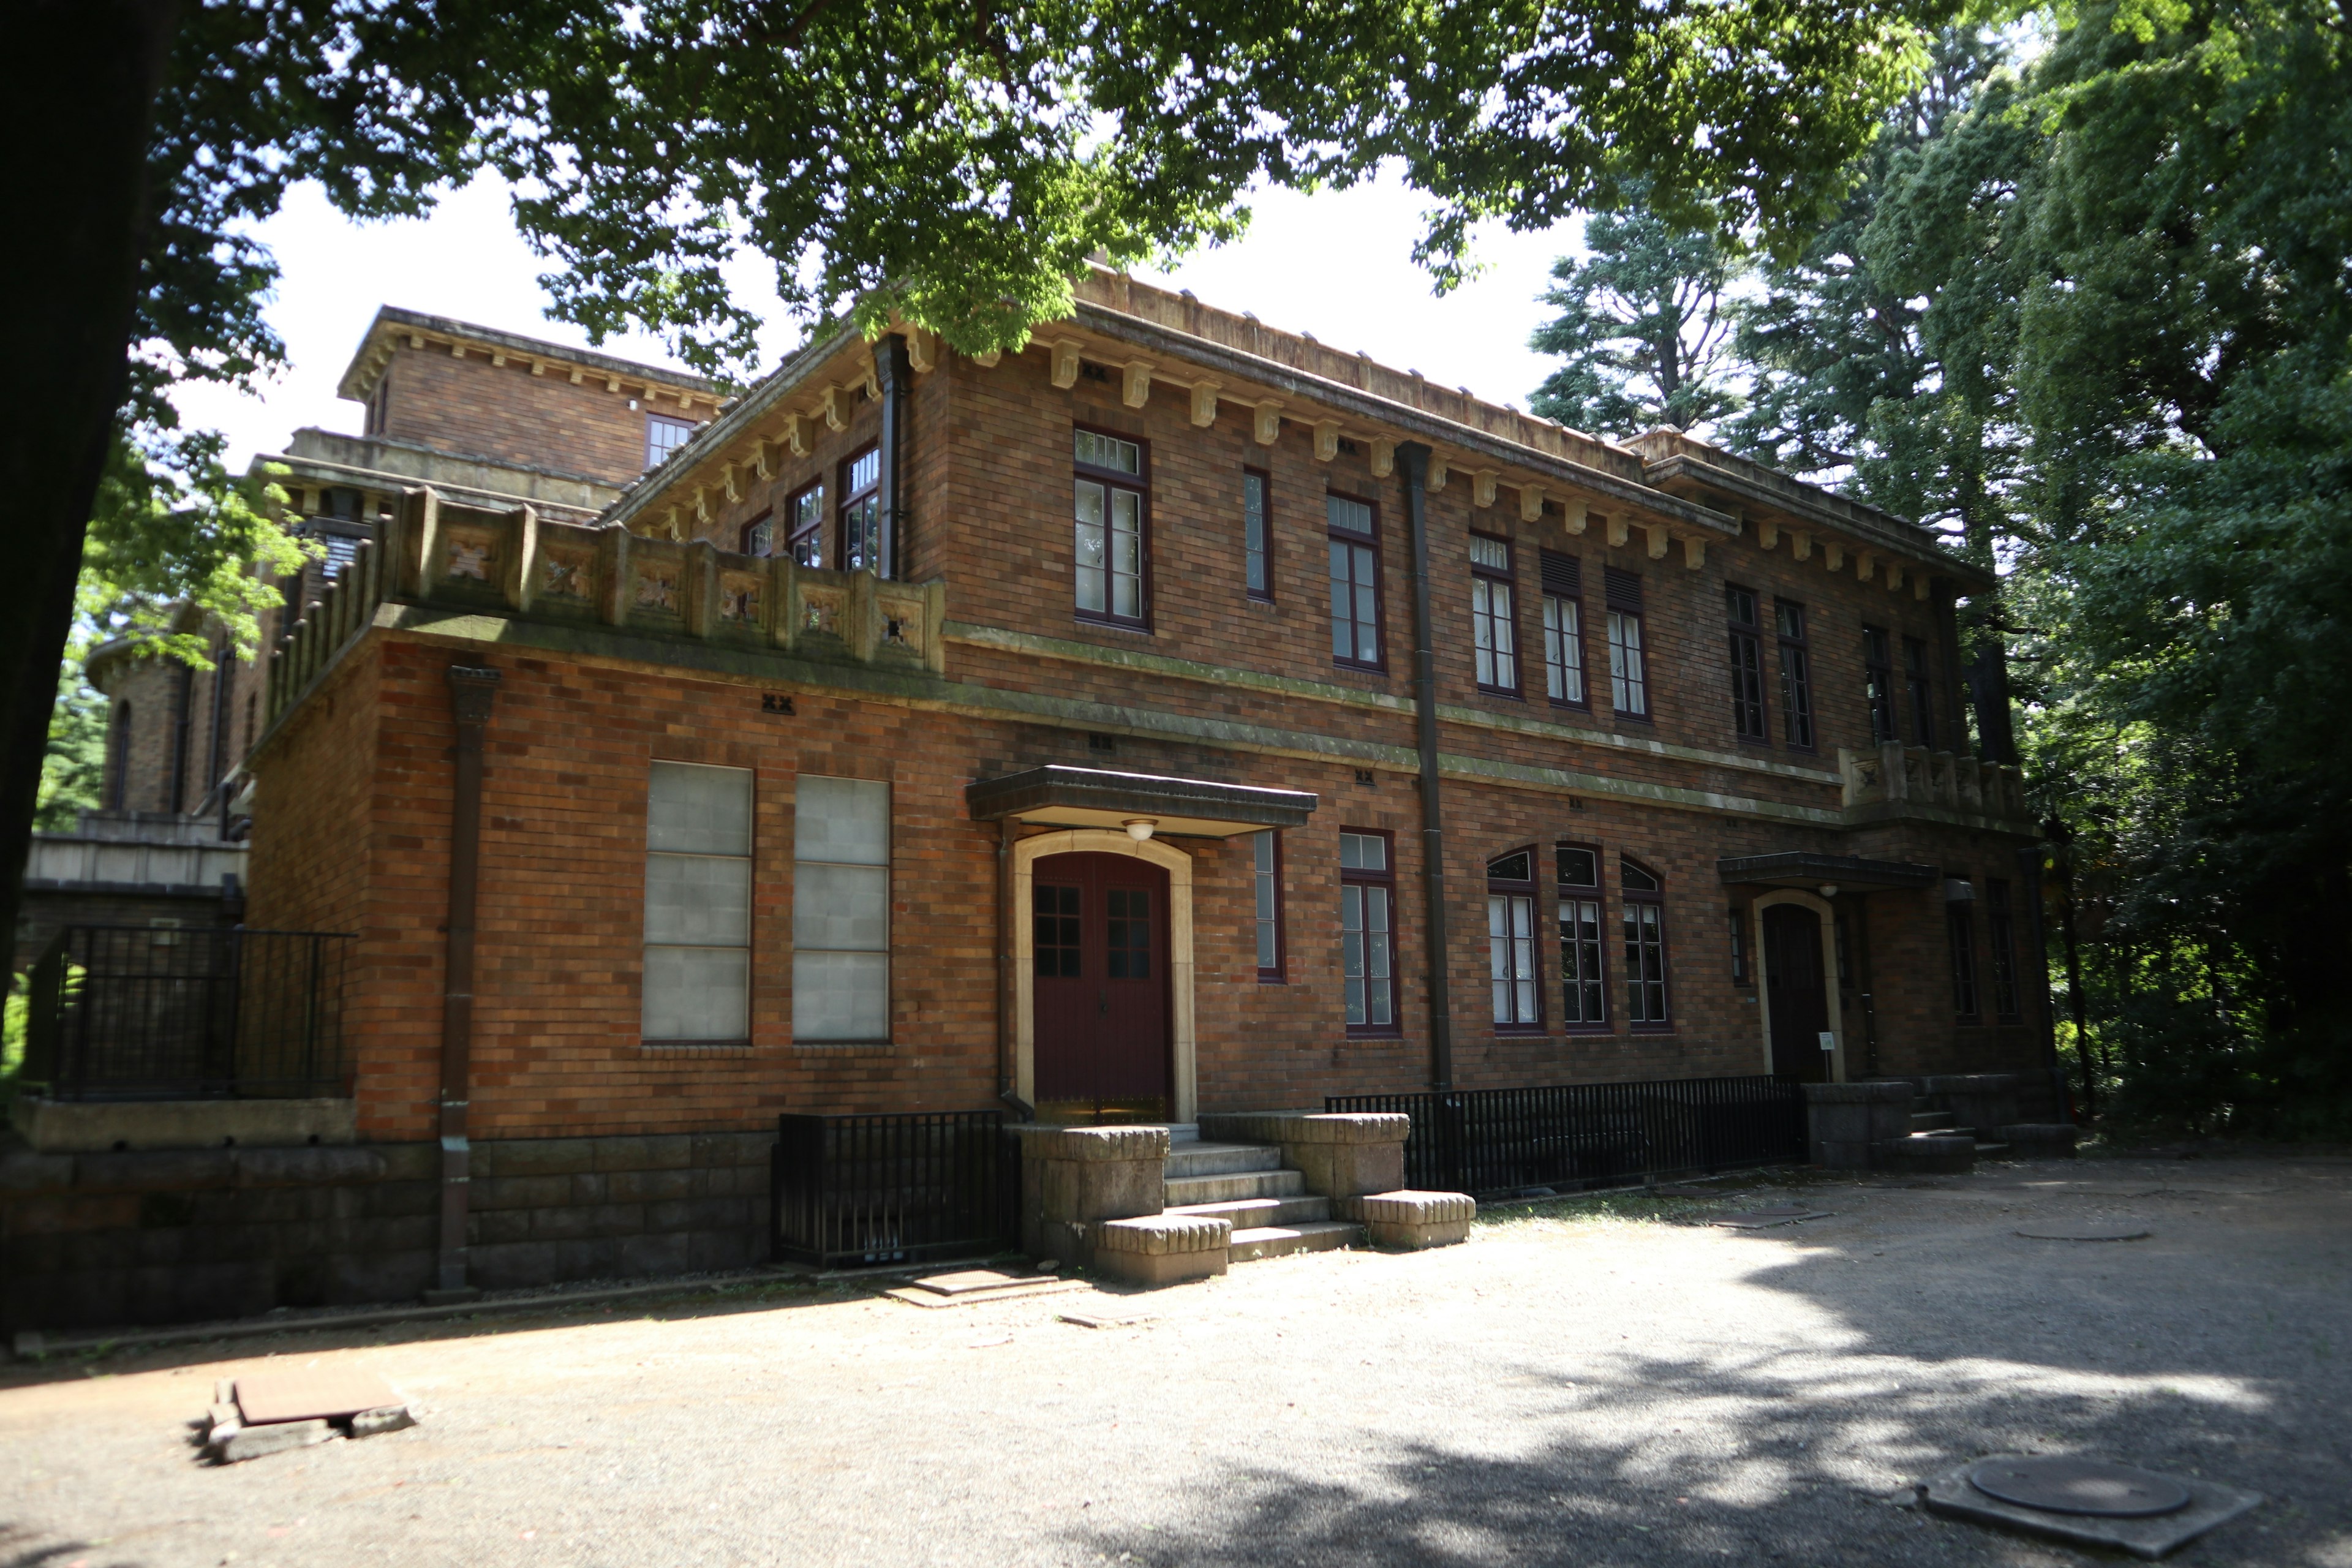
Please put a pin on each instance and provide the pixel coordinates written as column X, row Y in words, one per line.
column 655, row 591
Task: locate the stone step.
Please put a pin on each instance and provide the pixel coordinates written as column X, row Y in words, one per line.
column 1279, row 1240
column 1930, row 1120
column 1248, row 1213
column 1220, row 1159
column 1985, row 1149
column 1185, row 1191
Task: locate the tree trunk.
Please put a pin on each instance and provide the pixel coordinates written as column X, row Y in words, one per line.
column 77, row 89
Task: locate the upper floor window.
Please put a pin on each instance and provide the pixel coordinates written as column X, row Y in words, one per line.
column 1492, row 615
column 1629, row 685
column 1110, row 525
column 1256, row 543
column 1563, row 622
column 1747, row 665
column 698, row 940
column 1796, row 675
column 662, row 437
column 1583, row 986
column 1367, row 933
column 1878, row 684
column 805, row 525
column 760, row 535
column 1265, row 863
column 1646, row 944
column 1922, row 691
column 1355, row 582
column 2001, row 934
column 861, row 513
column 1511, row 941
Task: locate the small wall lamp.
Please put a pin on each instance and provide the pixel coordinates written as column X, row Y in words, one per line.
column 1140, row 827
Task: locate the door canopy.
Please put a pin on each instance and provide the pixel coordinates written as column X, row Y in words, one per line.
column 1093, row 798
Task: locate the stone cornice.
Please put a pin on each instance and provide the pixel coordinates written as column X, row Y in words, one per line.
column 394, row 327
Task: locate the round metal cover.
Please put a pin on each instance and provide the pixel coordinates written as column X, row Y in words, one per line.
column 2080, row 1487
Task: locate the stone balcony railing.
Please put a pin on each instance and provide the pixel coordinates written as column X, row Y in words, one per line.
column 1894, row 780
column 512, row 563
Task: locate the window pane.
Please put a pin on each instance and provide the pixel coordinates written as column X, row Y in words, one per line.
column 1577, row 867
column 1519, row 867
column 697, row 810
column 865, row 471
column 841, row 909
column 1093, row 548
column 1352, row 515
column 697, row 993
column 847, row 821
column 1363, row 852
column 1127, row 555
column 841, row 996
column 699, row 900
column 1491, row 552
column 1108, row 452
column 1254, row 529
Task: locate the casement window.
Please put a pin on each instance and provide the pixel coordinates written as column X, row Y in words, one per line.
column 1796, row 675
column 1922, row 691
column 1960, row 928
column 1355, row 582
column 861, row 514
column 1878, row 684
column 1563, row 621
column 760, row 535
column 1367, row 933
column 1628, row 683
column 1583, row 990
column 1257, row 542
column 2001, row 934
column 1737, row 919
column 1265, row 876
column 1747, row 665
column 698, row 951
column 1645, row 896
column 1494, row 629
column 841, row 911
column 805, row 525
column 1511, row 942
column 1110, row 528
column 662, row 437
column 118, row 751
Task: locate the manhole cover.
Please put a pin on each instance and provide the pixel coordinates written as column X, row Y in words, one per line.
column 2061, row 1232
column 2080, row 1487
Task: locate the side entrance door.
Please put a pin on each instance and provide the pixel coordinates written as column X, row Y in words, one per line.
column 1792, row 978
column 1099, row 927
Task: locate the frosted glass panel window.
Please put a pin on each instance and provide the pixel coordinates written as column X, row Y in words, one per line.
column 698, row 957
column 841, row 911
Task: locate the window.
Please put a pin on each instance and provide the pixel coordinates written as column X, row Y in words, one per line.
column 1053, row 926
column 697, row 973
column 1110, row 555
column 805, row 525
column 117, row 757
column 1796, row 675
column 1961, row 929
column 1493, row 629
column 662, row 437
column 1255, row 544
column 841, row 911
column 1584, row 1002
column 1628, row 687
column 1563, row 619
column 1738, row 921
column 1878, row 684
column 2001, row 932
column 1367, row 933
column 1922, row 692
column 1747, row 666
column 1265, row 856
column 1355, row 582
column 861, row 513
column 1511, row 941
column 760, row 535
column 1645, row 945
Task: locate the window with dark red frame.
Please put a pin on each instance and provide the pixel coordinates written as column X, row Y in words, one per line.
column 1747, row 665
column 805, row 525
column 1367, row 930
column 1922, row 686
column 760, row 535
column 1583, row 984
column 1494, row 621
column 1257, row 534
column 1796, row 675
column 1111, row 548
column 1563, row 624
column 1355, row 582
column 1644, row 895
column 1878, row 684
column 861, row 512
column 1265, row 876
column 1511, row 942
column 1628, row 679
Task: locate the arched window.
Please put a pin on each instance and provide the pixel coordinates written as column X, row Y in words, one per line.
column 1511, row 941
column 1645, row 943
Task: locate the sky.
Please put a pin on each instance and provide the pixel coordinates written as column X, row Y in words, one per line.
column 1337, row 264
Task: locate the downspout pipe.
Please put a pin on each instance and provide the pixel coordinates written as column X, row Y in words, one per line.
column 1008, row 1082
column 1412, row 464
column 181, row 723
column 471, row 690
column 893, row 377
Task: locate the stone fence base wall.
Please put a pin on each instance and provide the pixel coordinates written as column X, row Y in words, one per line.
column 106, row 1240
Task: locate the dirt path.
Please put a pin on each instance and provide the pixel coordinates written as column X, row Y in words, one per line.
column 1578, row 1386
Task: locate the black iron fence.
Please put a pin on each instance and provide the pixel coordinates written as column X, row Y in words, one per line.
column 174, row 1013
column 855, row 1190
column 1496, row 1141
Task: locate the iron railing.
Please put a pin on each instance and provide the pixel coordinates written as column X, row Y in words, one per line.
column 182, row 1013
column 1496, row 1141
column 858, row 1190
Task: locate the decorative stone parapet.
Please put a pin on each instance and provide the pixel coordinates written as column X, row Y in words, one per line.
column 1846, row 1122
column 1161, row 1249
column 2039, row 1139
column 1342, row 1154
column 1412, row 1220
column 1979, row 1100
column 1895, row 780
column 1072, row 1178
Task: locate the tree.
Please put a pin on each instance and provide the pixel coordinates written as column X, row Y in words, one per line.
column 951, row 163
column 1644, row 325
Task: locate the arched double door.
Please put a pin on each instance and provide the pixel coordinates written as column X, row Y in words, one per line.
column 1099, row 957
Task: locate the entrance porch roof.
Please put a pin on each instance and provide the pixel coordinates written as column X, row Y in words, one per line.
column 1801, row 869
column 1093, row 798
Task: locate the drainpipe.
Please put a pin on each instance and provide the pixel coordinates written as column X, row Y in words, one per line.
column 470, row 692
column 223, row 665
column 186, row 700
column 1008, row 1086
column 893, row 376
column 1412, row 462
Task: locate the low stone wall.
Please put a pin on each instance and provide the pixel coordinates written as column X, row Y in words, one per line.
column 118, row 1239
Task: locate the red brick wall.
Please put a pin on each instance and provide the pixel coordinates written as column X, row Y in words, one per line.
column 471, row 407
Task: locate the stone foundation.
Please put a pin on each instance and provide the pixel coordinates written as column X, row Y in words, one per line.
column 1847, row 1123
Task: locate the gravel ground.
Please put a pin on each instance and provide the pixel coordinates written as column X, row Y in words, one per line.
column 1596, row 1382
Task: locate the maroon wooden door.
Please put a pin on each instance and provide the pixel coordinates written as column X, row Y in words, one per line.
column 1100, row 925
column 1792, row 978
